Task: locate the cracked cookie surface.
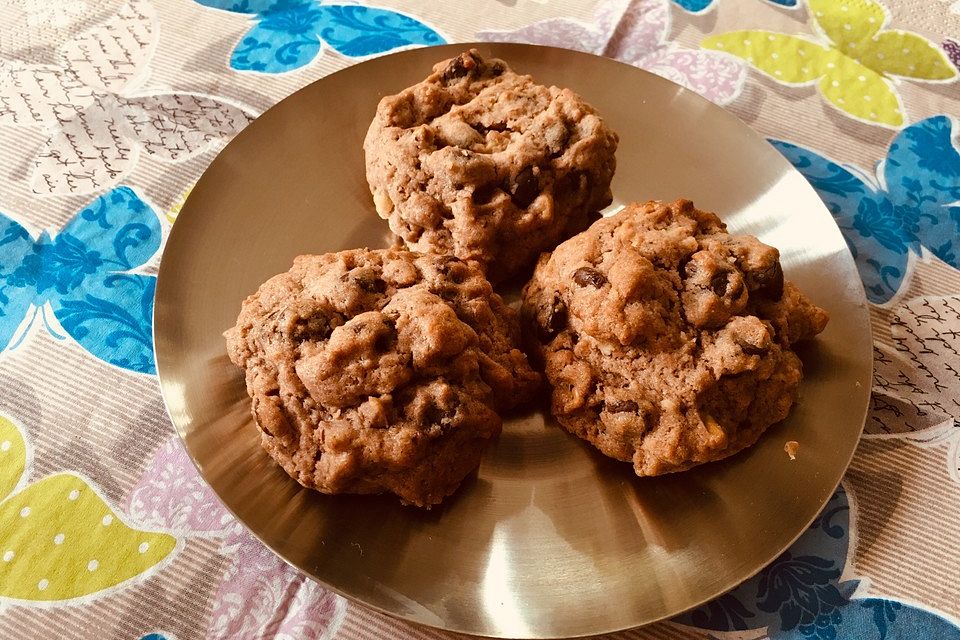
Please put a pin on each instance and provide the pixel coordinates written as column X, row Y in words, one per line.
column 667, row 341
column 379, row 370
column 483, row 163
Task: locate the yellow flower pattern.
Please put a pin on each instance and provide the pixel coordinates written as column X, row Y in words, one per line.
column 853, row 62
column 59, row 538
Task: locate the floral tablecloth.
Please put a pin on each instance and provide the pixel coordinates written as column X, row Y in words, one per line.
column 111, row 109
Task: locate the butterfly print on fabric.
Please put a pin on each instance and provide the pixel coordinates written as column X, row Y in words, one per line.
column 289, row 34
column 911, row 204
column 811, row 593
column 854, row 61
column 636, row 32
column 84, row 277
column 99, row 115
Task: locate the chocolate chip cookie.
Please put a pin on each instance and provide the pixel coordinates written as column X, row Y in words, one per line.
column 485, row 164
column 379, row 370
column 667, row 340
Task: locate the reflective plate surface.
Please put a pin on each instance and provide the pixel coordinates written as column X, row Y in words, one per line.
column 550, row 539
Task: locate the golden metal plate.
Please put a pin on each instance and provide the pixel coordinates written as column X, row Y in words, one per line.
column 551, row 538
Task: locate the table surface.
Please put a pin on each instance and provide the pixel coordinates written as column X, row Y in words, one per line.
column 109, row 113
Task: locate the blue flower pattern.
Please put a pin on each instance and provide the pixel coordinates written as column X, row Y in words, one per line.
column 288, row 34
column 83, row 275
column 800, row 595
column 700, row 6
column 911, row 204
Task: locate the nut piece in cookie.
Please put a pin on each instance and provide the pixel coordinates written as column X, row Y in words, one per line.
column 379, row 371
column 485, row 164
column 666, row 340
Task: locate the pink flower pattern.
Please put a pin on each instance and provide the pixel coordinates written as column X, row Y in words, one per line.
column 171, row 494
column 260, row 596
column 636, row 32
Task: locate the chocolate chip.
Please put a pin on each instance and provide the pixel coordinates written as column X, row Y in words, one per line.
column 459, row 67
column 770, row 281
column 525, row 188
column 733, row 289
column 621, row 406
column 556, row 320
column 454, row 70
column 484, row 193
column 372, row 284
column 749, row 348
column 316, row 328
column 482, row 129
column 386, row 338
column 383, row 342
column 571, row 182
column 497, row 67
column 586, row 276
column 367, row 280
column 719, row 284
